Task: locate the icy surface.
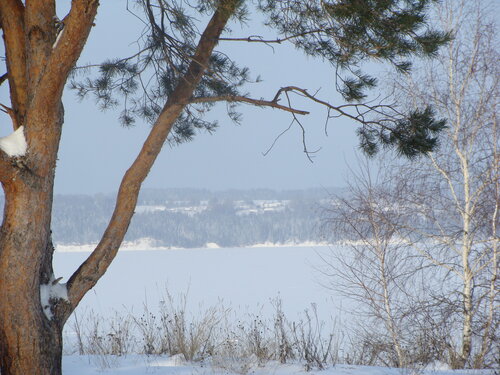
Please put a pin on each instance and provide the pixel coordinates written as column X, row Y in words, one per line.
column 15, row 143
column 52, row 290
column 245, row 278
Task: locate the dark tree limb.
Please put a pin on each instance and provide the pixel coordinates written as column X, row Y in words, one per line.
column 3, row 78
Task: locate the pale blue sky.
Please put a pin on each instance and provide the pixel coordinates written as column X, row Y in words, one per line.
column 95, row 150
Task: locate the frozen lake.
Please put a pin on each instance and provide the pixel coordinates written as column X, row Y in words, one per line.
column 245, row 279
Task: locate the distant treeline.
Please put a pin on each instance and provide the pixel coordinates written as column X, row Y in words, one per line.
column 195, row 217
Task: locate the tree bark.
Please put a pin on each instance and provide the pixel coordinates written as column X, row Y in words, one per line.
column 30, row 343
column 31, row 338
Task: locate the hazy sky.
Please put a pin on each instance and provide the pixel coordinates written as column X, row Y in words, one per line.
column 95, row 150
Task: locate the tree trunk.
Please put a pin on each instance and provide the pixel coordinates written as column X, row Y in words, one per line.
column 467, row 323
column 30, row 343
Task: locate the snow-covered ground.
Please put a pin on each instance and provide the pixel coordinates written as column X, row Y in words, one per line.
column 245, row 279
column 146, row 365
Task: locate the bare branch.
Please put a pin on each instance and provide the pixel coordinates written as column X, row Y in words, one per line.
column 260, row 39
column 11, row 113
column 244, row 99
column 362, row 109
column 277, row 138
column 304, row 144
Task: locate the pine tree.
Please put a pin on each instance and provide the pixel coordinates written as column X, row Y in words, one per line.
column 186, row 76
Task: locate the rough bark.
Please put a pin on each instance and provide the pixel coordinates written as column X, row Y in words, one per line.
column 12, row 20
column 30, row 342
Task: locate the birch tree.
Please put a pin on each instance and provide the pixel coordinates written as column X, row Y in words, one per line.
column 457, row 187
column 448, row 201
column 370, row 265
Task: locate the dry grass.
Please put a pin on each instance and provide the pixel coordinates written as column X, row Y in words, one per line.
column 213, row 336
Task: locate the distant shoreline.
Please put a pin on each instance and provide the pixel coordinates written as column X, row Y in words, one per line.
column 148, row 244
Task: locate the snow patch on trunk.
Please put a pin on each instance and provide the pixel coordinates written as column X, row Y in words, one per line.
column 15, row 143
column 50, row 292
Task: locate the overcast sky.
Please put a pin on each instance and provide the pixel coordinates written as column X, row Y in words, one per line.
column 95, row 150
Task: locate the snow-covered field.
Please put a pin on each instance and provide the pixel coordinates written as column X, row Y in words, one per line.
column 143, row 365
column 244, row 279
